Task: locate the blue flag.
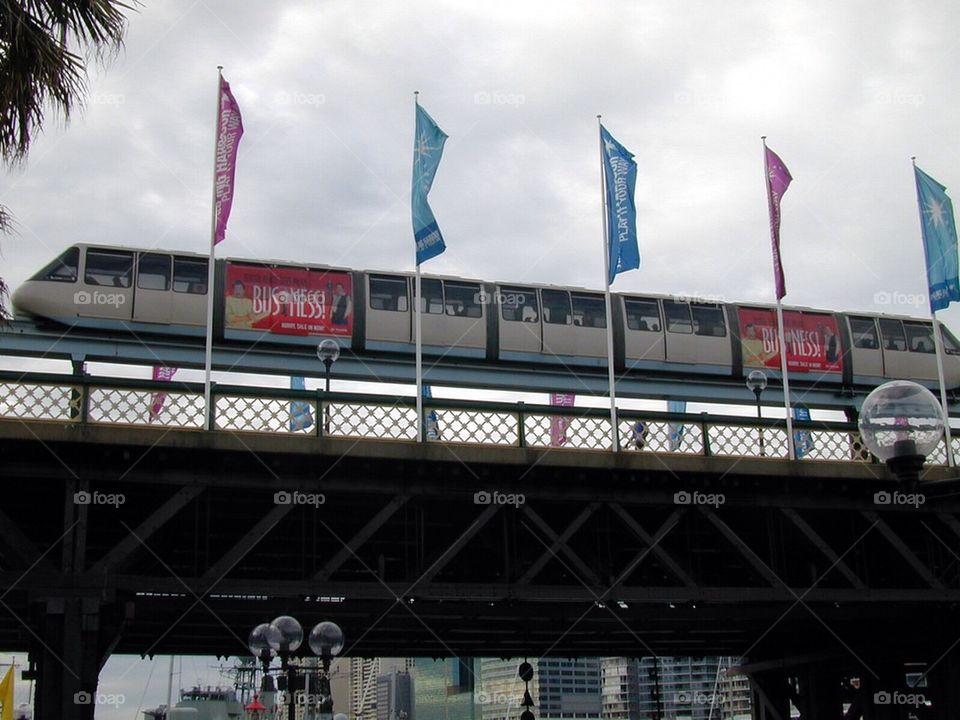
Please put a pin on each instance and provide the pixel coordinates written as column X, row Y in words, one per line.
column 802, row 439
column 939, row 240
column 427, row 150
column 432, row 424
column 676, row 429
column 620, row 172
column 301, row 414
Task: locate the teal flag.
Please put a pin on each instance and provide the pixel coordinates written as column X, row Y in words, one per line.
column 939, row 240
column 427, row 151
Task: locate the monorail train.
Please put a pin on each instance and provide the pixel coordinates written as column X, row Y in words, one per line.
column 149, row 291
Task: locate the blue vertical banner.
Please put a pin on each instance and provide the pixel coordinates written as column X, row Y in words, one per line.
column 301, row 414
column 432, row 424
column 427, row 151
column 939, row 240
column 802, row 439
column 676, row 429
column 620, row 174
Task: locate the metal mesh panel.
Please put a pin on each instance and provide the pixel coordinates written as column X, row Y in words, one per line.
column 144, row 407
column 939, row 454
column 477, row 427
column 745, row 441
column 568, row 432
column 661, row 437
column 831, row 445
column 375, row 422
column 254, row 414
column 39, row 402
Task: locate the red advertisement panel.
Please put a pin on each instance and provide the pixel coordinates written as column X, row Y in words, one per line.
column 288, row 301
column 813, row 343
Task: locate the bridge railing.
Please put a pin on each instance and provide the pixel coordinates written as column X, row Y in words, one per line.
column 243, row 409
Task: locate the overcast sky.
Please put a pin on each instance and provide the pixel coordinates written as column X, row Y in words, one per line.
column 845, row 92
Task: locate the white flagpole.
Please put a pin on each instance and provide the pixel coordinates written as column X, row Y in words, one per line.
column 938, row 345
column 614, row 429
column 208, row 355
column 417, row 302
column 791, row 451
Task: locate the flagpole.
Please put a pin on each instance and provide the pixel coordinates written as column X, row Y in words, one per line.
column 937, row 342
column 417, row 302
column 614, row 429
column 208, row 354
column 791, row 450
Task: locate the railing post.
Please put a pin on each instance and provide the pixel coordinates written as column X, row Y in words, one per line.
column 705, row 432
column 212, row 408
column 318, row 413
column 521, row 425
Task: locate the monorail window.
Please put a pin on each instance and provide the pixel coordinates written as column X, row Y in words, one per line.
column 153, row 272
column 949, row 342
column 388, row 293
column 63, row 269
column 432, row 295
column 463, row 299
column 893, row 337
column 642, row 315
column 864, row 332
column 109, row 268
column 589, row 311
column 678, row 317
column 919, row 337
column 556, row 307
column 708, row 320
column 190, row 275
column 518, row 304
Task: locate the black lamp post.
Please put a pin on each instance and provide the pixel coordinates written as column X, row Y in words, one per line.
column 757, row 383
column 328, row 351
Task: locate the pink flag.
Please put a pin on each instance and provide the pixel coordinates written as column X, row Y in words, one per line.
column 558, row 423
column 163, row 374
column 229, row 132
column 778, row 180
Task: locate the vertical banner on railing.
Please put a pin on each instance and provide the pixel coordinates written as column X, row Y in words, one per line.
column 301, row 414
column 802, row 439
column 161, row 373
column 432, row 420
column 558, row 423
column 676, row 429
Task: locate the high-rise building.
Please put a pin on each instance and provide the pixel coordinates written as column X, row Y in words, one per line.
column 363, row 683
column 444, row 689
column 560, row 688
column 395, row 696
column 620, row 688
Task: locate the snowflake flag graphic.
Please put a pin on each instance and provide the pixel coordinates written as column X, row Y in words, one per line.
column 939, row 240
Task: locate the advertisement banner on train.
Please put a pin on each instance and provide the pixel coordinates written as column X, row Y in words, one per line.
column 288, row 301
column 813, row 343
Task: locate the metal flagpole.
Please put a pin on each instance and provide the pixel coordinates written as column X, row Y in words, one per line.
column 937, row 344
column 791, row 450
column 417, row 301
column 614, row 430
column 208, row 355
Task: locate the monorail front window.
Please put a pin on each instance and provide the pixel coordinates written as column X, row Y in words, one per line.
column 919, row 337
column 589, row 311
column 892, row 332
column 642, row 315
column 190, row 275
column 109, row 268
column 154, row 272
column 63, row 269
column 388, row 293
column 556, row 307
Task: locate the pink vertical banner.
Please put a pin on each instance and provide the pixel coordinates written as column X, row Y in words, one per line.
column 161, row 373
column 778, row 180
column 558, row 423
column 229, row 132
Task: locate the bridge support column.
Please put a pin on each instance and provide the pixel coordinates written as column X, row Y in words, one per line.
column 770, row 695
column 820, row 693
column 944, row 690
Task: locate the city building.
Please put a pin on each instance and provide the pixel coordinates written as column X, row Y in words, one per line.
column 395, row 696
column 561, row 688
column 363, row 683
column 445, row 689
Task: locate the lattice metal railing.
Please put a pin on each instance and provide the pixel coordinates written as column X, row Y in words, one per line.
column 386, row 418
